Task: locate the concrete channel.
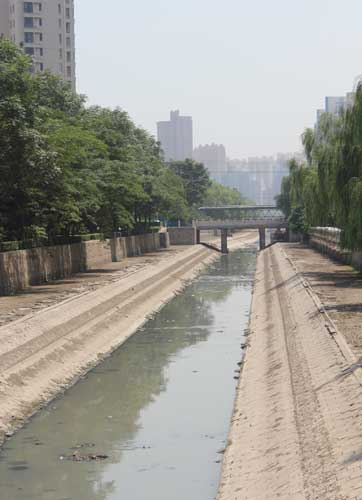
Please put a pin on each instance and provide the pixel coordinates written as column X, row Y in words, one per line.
column 151, row 421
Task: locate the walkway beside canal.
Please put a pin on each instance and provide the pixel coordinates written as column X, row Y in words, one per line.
column 297, row 424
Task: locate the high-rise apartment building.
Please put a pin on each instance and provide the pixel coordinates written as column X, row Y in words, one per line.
column 213, row 157
column 335, row 105
column 45, row 30
column 176, row 137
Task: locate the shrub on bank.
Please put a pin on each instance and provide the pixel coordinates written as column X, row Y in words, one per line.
column 11, row 246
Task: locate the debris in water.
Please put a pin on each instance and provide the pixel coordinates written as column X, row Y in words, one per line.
column 83, row 445
column 77, row 457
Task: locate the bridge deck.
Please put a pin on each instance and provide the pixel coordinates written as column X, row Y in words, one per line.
column 272, row 223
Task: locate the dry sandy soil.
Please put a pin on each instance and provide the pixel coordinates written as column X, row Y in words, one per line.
column 53, row 334
column 296, row 429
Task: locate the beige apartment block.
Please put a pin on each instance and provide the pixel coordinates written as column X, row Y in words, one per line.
column 176, row 137
column 45, row 30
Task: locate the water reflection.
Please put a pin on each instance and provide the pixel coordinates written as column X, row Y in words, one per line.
column 159, row 407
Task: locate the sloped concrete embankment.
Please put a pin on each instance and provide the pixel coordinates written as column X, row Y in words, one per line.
column 296, row 426
column 42, row 354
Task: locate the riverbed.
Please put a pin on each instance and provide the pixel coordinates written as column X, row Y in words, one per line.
column 156, row 412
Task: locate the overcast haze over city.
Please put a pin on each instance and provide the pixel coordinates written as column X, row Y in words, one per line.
column 251, row 73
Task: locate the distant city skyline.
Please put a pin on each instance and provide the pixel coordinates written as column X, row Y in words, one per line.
column 249, row 73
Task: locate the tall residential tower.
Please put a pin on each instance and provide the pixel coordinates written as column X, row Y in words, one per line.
column 213, row 156
column 176, row 137
column 45, row 30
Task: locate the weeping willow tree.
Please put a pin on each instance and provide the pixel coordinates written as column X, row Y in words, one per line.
column 348, row 175
column 299, row 198
column 326, row 189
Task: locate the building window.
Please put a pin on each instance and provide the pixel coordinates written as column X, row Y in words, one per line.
column 39, row 52
column 60, row 53
column 67, row 13
column 68, row 27
column 28, row 22
column 28, row 7
column 29, row 51
column 68, row 42
column 60, row 23
column 59, row 8
column 69, row 57
column 69, row 72
column 60, row 39
column 29, row 37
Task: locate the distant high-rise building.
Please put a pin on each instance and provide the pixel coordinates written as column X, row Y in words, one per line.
column 45, row 30
column 176, row 137
column 335, row 105
column 213, row 156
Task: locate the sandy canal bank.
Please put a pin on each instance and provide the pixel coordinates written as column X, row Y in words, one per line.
column 62, row 337
column 296, row 430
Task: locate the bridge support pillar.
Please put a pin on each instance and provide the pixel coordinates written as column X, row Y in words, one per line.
column 224, row 241
column 262, row 237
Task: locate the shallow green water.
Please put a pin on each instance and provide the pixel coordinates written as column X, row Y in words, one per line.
column 159, row 407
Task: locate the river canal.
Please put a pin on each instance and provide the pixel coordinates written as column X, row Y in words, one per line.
column 159, row 408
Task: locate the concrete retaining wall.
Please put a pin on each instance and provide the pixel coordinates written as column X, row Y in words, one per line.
column 96, row 253
column 182, row 235
column 328, row 240
column 24, row 268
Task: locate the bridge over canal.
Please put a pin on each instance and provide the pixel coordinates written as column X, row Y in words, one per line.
column 235, row 217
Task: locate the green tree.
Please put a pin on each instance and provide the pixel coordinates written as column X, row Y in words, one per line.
column 219, row 195
column 29, row 172
column 67, row 169
column 195, row 178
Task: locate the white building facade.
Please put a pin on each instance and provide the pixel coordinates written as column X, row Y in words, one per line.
column 45, row 30
column 176, row 137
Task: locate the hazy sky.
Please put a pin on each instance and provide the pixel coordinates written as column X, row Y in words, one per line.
column 250, row 72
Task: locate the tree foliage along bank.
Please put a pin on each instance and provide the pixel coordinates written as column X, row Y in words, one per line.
column 67, row 169
column 326, row 190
